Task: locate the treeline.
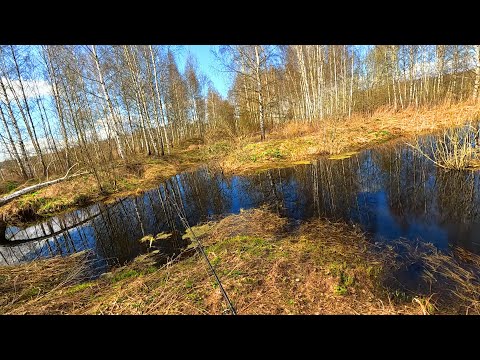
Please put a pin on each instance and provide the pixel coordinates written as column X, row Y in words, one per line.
column 106, row 103
column 314, row 82
column 91, row 105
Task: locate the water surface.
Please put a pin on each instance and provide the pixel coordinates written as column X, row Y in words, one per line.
column 390, row 192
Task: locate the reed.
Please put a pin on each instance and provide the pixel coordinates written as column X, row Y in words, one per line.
column 452, row 148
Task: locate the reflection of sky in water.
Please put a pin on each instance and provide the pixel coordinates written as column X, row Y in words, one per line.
column 390, row 192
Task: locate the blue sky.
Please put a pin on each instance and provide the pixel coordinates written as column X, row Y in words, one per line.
column 208, row 65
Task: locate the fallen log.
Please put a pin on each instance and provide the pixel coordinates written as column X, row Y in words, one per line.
column 16, row 194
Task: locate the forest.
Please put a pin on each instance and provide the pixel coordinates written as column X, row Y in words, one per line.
column 89, row 127
column 112, row 102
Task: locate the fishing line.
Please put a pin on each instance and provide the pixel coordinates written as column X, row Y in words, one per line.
column 184, row 220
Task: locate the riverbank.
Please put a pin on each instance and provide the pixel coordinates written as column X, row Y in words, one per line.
column 319, row 267
column 293, row 144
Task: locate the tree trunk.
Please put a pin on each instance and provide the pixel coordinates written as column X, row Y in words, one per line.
column 28, row 189
column 260, row 96
column 14, row 148
column 58, row 104
column 121, row 152
column 159, row 100
column 476, row 85
column 30, row 127
column 23, row 151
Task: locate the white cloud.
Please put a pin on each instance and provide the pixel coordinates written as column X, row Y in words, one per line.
column 31, row 87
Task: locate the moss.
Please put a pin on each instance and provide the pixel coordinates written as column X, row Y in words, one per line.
column 340, row 290
column 31, row 292
column 79, row 287
column 188, row 284
column 124, row 274
column 52, row 205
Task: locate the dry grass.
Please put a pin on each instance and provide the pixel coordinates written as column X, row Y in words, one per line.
column 301, row 142
column 452, row 149
column 450, row 282
column 321, row 267
column 31, row 282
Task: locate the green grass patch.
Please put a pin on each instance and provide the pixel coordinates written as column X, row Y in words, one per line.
column 31, row 292
column 373, row 271
column 340, row 290
column 345, row 280
column 220, row 148
column 10, row 186
column 125, row 274
column 195, row 297
column 244, row 245
column 199, row 231
column 235, row 273
column 52, row 205
column 79, row 287
column 343, row 156
column 128, row 184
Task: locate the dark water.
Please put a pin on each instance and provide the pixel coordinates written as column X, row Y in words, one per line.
column 390, row 192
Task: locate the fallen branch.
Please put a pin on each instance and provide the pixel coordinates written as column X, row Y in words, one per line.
column 28, row 189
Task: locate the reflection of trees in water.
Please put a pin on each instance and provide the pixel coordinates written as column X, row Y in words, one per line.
column 266, row 187
column 66, row 238
column 457, row 196
column 411, row 186
column 201, row 193
column 115, row 229
column 404, row 176
column 334, row 185
column 324, row 188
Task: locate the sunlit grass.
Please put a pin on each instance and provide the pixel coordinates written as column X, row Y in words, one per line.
column 452, row 149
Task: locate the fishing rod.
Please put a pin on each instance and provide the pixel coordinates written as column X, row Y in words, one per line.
column 184, row 220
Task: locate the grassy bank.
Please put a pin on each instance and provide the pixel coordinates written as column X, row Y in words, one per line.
column 319, row 268
column 293, row 144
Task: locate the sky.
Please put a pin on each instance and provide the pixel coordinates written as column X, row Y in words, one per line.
column 207, row 64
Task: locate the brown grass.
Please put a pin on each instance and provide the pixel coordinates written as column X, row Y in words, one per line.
column 321, row 267
column 450, row 282
column 452, row 149
column 292, row 144
column 300, row 142
column 31, row 282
